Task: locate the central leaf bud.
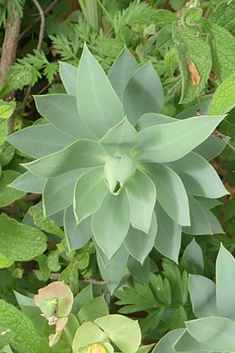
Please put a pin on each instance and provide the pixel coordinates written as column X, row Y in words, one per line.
column 118, row 171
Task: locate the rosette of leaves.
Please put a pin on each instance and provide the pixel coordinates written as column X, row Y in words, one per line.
column 213, row 306
column 124, row 174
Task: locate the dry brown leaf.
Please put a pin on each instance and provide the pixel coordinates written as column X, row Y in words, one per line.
column 194, row 74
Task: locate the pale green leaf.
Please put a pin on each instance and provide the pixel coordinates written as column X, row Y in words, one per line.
column 143, row 93
column 217, row 332
column 92, row 310
column 168, row 238
column 40, row 140
column 166, row 343
column 82, row 298
column 120, row 139
column 80, row 154
column 121, row 71
column 171, row 193
column 194, row 256
column 224, row 97
column 138, row 243
column 211, row 147
column 8, row 195
column 188, row 343
column 68, row 74
column 203, row 296
column 15, row 329
column 113, row 271
column 124, row 332
column 98, row 104
column 198, row 176
column 169, row 142
column 29, row 182
column 222, row 50
column 111, row 222
column 61, row 111
column 141, row 193
column 20, row 242
column 145, row 348
column 57, row 198
column 6, row 109
column 192, row 50
column 87, row 334
column 150, row 119
column 225, row 283
column 89, row 192
column 202, row 107
column 202, row 220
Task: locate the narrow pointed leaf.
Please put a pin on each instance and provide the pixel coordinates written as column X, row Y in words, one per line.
column 111, row 222
column 194, row 256
column 225, row 283
column 80, row 154
column 141, row 193
column 211, row 147
column 89, row 193
column 61, row 111
column 171, row 193
column 217, row 332
column 120, row 139
column 143, row 93
column 151, row 119
column 40, row 140
column 121, row 71
column 169, row 142
column 113, row 271
column 138, row 243
column 77, row 235
column 98, row 104
column 203, row 296
column 168, row 238
column 68, row 74
column 198, row 176
column 117, row 327
column 55, row 197
column 29, row 182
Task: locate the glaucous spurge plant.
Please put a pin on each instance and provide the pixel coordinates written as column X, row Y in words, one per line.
column 124, row 174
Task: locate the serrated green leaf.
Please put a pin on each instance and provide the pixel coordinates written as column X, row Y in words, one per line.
column 29, row 182
column 160, row 288
column 224, row 97
column 58, row 109
column 194, row 56
column 109, row 232
column 171, row 193
column 122, row 69
column 120, row 139
column 40, row 140
column 6, row 109
column 141, row 194
column 177, row 318
column 150, row 323
column 6, row 153
column 224, row 15
column 45, row 223
column 20, row 242
column 138, row 243
column 77, row 235
column 124, row 332
column 198, row 176
column 80, row 154
column 68, row 74
column 8, row 195
column 169, row 142
column 168, row 238
column 89, row 192
column 142, row 94
column 222, row 50
column 98, row 104
column 3, row 130
column 57, row 198
column 15, row 329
